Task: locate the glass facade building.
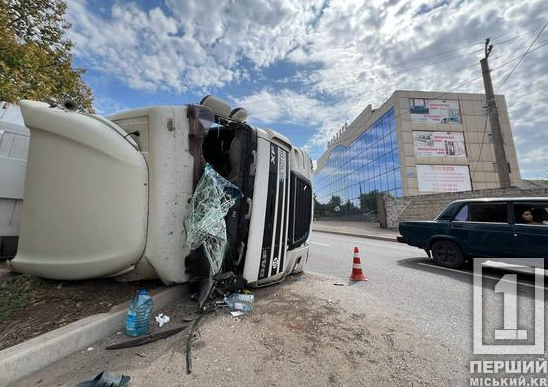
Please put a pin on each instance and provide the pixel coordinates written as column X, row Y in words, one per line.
column 352, row 176
column 415, row 143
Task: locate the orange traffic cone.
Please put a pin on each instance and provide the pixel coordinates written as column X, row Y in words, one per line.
column 357, row 273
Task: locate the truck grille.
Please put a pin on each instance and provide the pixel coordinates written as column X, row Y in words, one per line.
column 300, row 209
column 274, row 247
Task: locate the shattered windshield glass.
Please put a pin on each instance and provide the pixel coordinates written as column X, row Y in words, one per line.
column 206, row 226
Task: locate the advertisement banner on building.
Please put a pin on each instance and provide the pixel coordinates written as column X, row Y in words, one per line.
column 434, row 111
column 443, row 178
column 443, row 144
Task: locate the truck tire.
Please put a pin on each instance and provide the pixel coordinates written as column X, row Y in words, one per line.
column 447, row 254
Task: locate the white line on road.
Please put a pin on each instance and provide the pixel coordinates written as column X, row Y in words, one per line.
column 470, row 273
column 318, row 243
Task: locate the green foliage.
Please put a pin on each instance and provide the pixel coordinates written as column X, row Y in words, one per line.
column 335, row 207
column 368, row 201
column 328, row 209
column 35, row 58
column 335, row 201
column 16, row 294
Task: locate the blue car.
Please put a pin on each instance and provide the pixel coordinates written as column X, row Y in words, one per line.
column 489, row 228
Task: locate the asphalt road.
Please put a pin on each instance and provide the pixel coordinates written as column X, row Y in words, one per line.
column 410, row 324
column 438, row 301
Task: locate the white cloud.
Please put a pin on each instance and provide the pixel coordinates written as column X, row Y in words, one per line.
column 350, row 53
column 196, row 44
column 289, row 107
column 105, row 106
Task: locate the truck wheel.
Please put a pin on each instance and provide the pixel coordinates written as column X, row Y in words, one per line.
column 447, row 254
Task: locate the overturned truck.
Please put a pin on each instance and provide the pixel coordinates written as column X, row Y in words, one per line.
column 115, row 197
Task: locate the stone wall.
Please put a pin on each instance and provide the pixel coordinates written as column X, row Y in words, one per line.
column 427, row 207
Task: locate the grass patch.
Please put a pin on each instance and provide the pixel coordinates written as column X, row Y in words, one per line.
column 16, row 294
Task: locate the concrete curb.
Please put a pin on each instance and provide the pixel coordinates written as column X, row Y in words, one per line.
column 23, row 359
column 368, row 236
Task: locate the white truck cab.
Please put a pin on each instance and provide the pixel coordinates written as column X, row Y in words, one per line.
column 110, row 197
column 14, row 145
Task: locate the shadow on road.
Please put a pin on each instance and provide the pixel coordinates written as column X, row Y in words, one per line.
column 490, row 275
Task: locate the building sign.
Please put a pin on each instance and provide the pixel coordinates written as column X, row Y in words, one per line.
column 444, row 144
column 434, row 111
column 443, row 178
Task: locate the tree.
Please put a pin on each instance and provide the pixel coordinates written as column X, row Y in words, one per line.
column 35, row 57
column 368, row 201
column 350, row 209
column 335, row 201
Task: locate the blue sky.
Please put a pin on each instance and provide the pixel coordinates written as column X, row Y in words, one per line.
column 304, row 67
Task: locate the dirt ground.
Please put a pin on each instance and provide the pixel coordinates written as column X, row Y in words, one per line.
column 301, row 333
column 32, row 306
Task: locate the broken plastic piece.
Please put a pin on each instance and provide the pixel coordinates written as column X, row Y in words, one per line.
column 104, row 380
column 162, row 319
column 148, row 338
column 237, row 313
column 238, row 301
column 206, row 226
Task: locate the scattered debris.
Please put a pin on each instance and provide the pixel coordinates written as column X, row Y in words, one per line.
column 90, row 349
column 299, row 279
column 191, row 317
column 191, row 336
column 148, row 338
column 141, row 354
column 338, row 284
column 237, row 313
column 298, row 327
column 239, row 301
column 229, row 282
column 104, row 379
column 162, row 319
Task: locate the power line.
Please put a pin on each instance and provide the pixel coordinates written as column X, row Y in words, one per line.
column 482, row 142
column 410, row 61
column 342, row 86
column 449, row 51
column 523, row 56
column 471, row 81
column 542, row 44
column 458, row 87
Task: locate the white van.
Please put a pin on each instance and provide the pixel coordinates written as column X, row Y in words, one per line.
column 109, row 197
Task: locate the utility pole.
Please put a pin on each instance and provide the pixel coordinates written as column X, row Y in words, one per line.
column 498, row 142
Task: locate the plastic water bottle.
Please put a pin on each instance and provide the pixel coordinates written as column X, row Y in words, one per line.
column 238, row 301
column 138, row 314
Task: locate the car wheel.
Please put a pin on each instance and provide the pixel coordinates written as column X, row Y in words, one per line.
column 447, row 254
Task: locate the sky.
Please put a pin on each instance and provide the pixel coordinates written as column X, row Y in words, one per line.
column 305, row 67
